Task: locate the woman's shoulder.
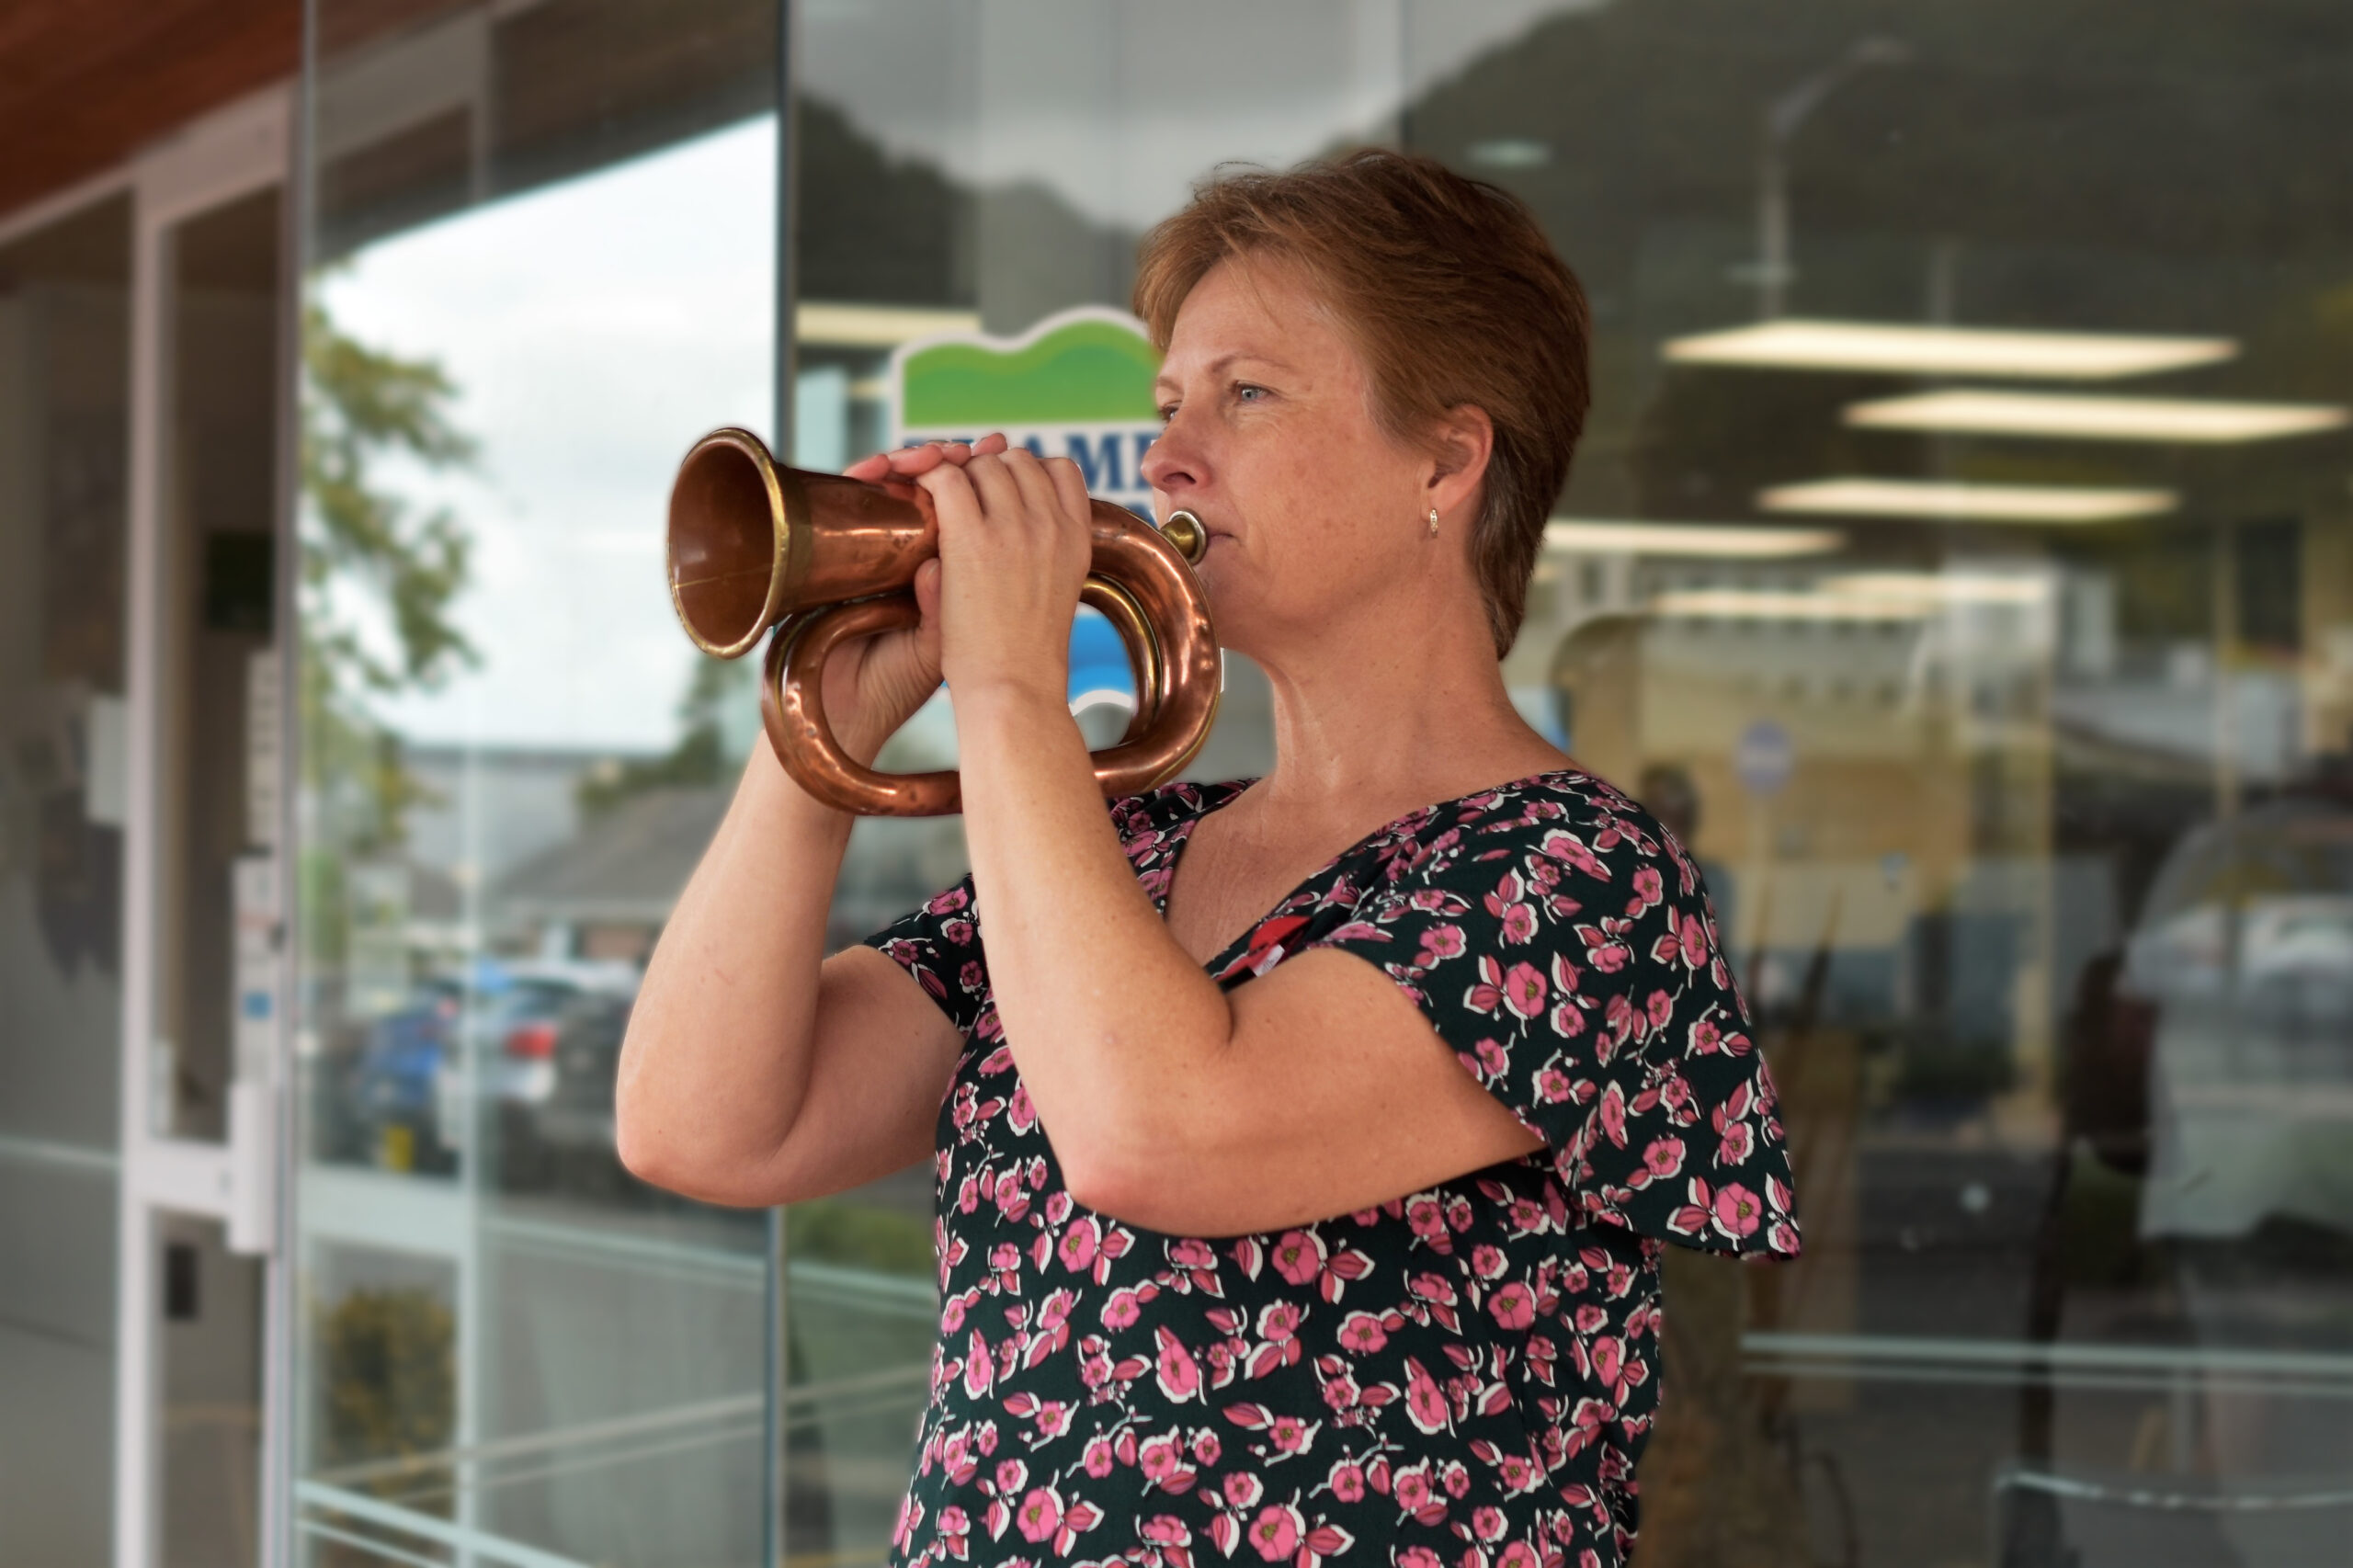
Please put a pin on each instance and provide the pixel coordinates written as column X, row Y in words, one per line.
column 1143, row 816
column 1565, row 816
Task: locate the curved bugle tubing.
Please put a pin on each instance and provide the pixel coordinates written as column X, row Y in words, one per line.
column 820, row 558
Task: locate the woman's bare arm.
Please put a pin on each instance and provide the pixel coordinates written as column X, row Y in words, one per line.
column 756, row 1070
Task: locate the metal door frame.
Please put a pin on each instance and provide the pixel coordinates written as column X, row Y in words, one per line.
column 233, row 152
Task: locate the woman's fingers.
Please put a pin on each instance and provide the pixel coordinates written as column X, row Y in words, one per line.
column 1070, row 487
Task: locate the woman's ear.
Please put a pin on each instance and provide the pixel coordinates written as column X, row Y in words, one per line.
column 1464, row 441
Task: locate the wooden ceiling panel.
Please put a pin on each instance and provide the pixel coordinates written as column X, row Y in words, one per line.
column 84, row 83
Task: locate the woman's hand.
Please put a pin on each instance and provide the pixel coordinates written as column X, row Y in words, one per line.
column 875, row 685
column 1014, row 548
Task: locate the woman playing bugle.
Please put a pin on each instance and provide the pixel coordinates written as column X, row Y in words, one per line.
column 1304, row 1146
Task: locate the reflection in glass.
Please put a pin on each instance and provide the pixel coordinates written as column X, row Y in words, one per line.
column 64, row 404
column 1959, row 556
column 546, row 248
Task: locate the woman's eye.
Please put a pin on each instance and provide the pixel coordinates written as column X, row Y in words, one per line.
column 1167, row 411
column 1244, row 393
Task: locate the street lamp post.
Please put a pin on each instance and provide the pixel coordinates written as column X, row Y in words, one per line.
column 1782, row 117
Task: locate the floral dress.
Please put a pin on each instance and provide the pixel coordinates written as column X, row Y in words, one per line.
column 1461, row 1375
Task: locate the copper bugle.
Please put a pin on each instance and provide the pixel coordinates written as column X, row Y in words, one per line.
column 754, row 545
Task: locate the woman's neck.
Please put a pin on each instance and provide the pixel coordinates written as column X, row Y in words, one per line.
column 1377, row 723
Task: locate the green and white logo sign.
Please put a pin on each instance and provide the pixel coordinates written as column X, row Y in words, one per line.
column 1076, row 386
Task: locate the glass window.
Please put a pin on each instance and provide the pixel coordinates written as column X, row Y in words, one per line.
column 543, row 261
column 64, row 419
column 1958, row 557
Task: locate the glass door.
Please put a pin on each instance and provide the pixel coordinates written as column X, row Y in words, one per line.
column 64, row 415
column 201, row 997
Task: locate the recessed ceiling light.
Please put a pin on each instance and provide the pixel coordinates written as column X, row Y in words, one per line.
column 1944, row 499
column 839, row 326
column 1857, row 596
column 1898, row 350
column 1787, row 604
column 1594, row 536
column 2062, row 416
column 1512, row 153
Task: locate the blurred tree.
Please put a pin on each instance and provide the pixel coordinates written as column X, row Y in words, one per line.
column 371, row 561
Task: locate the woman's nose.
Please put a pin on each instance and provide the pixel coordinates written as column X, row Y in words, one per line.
column 1170, row 463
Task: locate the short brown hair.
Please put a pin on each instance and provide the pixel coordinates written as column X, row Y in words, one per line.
column 1453, row 295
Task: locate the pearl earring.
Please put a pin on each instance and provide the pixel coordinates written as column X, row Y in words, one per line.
column 1433, row 522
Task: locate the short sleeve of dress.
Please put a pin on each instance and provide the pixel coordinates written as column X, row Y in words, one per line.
column 1561, row 941
column 939, row 944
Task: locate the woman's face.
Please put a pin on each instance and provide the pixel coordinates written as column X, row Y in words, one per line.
column 1313, row 511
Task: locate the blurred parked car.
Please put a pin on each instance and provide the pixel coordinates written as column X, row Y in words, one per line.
column 390, row 1095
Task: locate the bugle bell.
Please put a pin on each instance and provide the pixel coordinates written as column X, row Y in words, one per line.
column 755, row 545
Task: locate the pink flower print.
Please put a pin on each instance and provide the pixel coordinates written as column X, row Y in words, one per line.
column 1243, row 1489
column 1608, row 1359
column 1487, row 1523
column 1347, row 1482
column 949, row 902
column 1520, row 923
column 1299, row 1257
column 1519, row 1555
column 1012, row 1475
column 1192, row 1253
column 1524, row 990
column 1160, row 1459
column 1590, row 1319
column 1426, row 1219
column 1291, row 1435
column 1418, row 1557
column 1737, row 1212
column 1455, row 1478
column 1705, row 1039
column 910, row 1516
column 1054, row 1418
column 1021, row 1116
column 1121, row 1311
column 1514, row 1306
column 1275, row 1532
column 1567, row 1020
column 1663, row 1157
column 1441, row 942
column 1424, row 1401
column 1649, row 888
column 1487, row 995
column 1277, row 1321
column 1078, row 1245
column 1493, row 1062
column 1518, row 1472
column 1738, row 1144
column 1098, row 1460
column 980, row 1366
column 1340, row 1392
column 1612, row 1115
column 1552, row 1085
column 1179, row 1374
column 952, row 1315
column 1487, row 1262
column 1659, row 1009
column 1206, row 1448
column 1166, row 1530
column 1413, row 1492
column 1039, row 1514
column 1362, row 1333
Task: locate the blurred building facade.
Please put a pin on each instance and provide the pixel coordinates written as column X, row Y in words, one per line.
column 1959, row 557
